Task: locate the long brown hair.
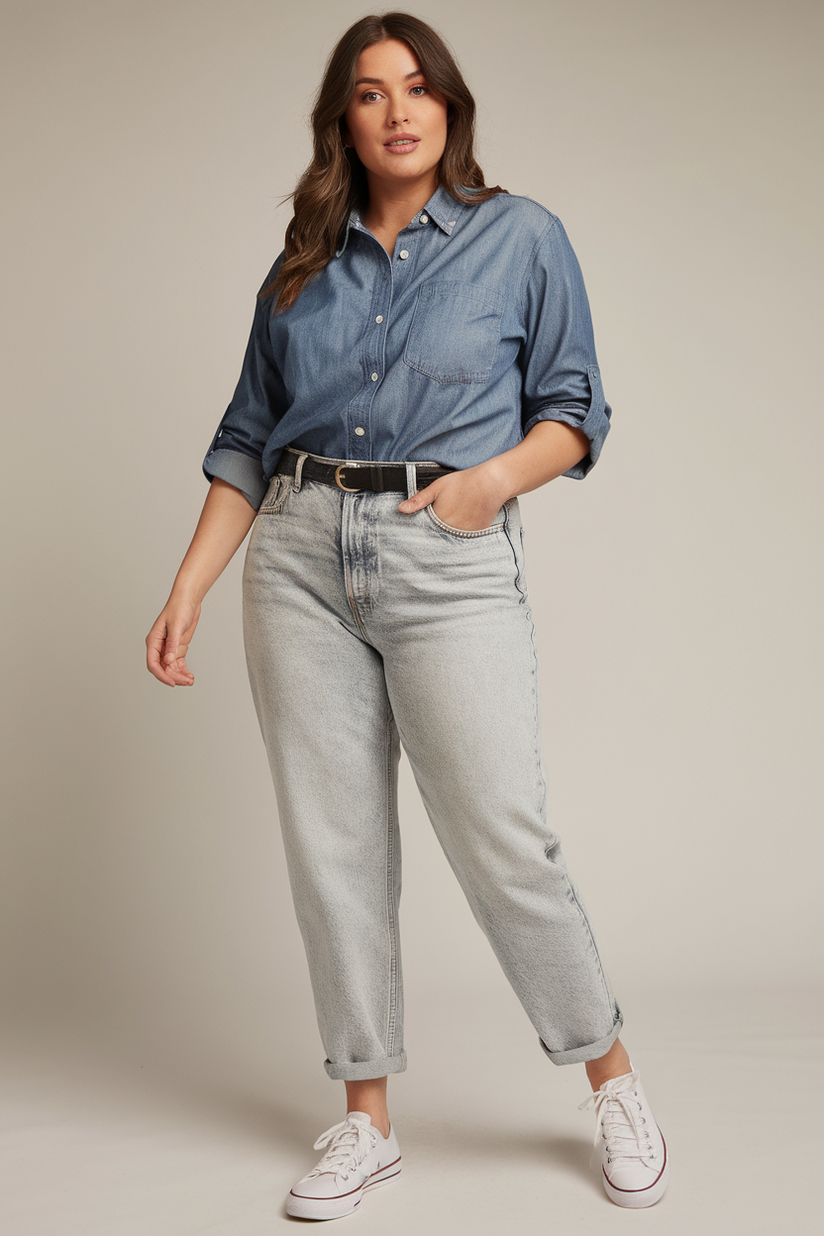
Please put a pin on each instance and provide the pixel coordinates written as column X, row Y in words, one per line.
column 335, row 181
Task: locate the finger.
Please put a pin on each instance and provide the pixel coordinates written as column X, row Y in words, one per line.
column 174, row 658
column 421, row 499
column 155, row 648
column 161, row 673
column 182, row 675
column 176, row 673
column 174, row 644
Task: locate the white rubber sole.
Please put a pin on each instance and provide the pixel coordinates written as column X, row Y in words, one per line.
column 637, row 1199
column 303, row 1207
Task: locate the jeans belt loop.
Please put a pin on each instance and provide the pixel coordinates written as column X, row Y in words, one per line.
column 411, row 480
column 299, row 472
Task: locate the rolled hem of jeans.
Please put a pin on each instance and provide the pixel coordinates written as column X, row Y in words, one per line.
column 592, row 1051
column 363, row 1070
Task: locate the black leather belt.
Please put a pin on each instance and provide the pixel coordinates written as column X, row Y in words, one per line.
column 354, row 477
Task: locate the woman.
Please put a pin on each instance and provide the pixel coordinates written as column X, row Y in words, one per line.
column 421, row 354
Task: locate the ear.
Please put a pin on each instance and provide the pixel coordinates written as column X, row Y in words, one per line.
column 345, row 135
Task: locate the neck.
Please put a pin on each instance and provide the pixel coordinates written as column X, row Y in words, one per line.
column 392, row 205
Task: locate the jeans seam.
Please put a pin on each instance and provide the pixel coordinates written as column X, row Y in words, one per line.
column 518, row 570
column 391, row 830
column 524, row 603
column 585, row 919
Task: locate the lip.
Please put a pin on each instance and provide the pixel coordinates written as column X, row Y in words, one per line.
column 409, row 138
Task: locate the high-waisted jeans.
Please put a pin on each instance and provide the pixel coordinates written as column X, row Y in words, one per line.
column 366, row 628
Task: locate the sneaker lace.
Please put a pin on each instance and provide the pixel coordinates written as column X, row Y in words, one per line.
column 619, row 1122
column 349, row 1143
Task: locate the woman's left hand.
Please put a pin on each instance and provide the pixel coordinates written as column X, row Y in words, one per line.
column 469, row 499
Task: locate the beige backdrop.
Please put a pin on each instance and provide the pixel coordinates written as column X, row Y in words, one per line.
column 677, row 591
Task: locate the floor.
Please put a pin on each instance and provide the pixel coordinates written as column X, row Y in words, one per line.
column 100, row 1142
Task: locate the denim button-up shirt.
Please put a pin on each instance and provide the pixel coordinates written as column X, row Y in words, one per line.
column 476, row 328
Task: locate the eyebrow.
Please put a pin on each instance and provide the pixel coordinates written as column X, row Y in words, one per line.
column 377, row 81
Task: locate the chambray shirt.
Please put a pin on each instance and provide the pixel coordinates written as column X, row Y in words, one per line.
column 476, row 328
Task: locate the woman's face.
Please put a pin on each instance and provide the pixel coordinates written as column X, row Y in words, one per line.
column 395, row 120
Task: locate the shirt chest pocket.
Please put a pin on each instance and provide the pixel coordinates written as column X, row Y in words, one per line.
column 455, row 331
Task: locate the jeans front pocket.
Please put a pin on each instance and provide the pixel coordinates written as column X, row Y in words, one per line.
column 498, row 524
column 455, row 332
column 279, row 489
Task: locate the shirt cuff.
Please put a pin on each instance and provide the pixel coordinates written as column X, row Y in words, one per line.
column 242, row 471
column 594, row 423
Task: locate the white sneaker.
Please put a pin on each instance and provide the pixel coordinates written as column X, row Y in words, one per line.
column 629, row 1147
column 358, row 1158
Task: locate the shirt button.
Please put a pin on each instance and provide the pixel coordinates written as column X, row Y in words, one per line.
column 404, row 253
column 374, row 377
column 379, row 318
column 360, row 432
column 424, row 218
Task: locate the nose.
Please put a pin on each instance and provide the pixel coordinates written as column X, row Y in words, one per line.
column 397, row 114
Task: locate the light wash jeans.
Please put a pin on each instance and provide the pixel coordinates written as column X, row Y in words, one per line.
column 365, row 627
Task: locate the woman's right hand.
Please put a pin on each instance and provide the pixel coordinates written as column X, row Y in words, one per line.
column 224, row 521
column 168, row 642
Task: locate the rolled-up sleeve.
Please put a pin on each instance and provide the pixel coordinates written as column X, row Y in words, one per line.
column 236, row 452
column 561, row 378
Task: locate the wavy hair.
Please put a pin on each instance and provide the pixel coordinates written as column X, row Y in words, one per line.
column 335, row 183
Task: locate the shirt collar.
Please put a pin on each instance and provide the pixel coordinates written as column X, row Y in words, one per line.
column 442, row 209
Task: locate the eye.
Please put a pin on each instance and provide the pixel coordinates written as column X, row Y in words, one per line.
column 422, row 90
column 369, row 96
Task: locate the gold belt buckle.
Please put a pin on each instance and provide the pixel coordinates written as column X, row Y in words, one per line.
column 349, row 488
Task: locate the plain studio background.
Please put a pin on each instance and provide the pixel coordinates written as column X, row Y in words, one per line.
column 163, row 1066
